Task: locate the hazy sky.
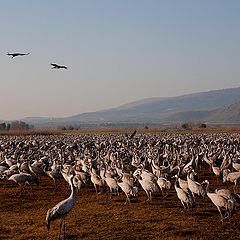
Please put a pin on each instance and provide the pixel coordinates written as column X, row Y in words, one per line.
column 117, row 51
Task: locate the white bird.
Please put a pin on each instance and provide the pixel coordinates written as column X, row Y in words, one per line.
column 22, row 178
column 37, row 168
column 53, row 174
column 8, row 173
column 2, row 169
column 236, row 165
column 23, row 167
column 185, row 198
column 229, row 195
column 128, row 178
column 148, row 182
column 110, row 181
column 10, row 161
column 163, row 183
column 220, row 201
column 84, row 176
column 217, row 171
column 183, row 184
column 195, row 187
column 127, row 189
column 62, row 209
column 231, row 176
column 96, row 180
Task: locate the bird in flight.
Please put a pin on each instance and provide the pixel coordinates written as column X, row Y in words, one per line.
column 17, row 54
column 56, row 66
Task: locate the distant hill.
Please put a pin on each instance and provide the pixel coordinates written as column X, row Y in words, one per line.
column 212, row 106
column 162, row 110
column 229, row 114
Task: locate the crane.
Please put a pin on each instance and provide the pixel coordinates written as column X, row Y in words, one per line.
column 185, row 197
column 56, row 66
column 17, row 54
column 62, row 209
column 22, row 178
column 220, row 201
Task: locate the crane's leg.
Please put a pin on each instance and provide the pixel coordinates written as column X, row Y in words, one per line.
column 95, row 188
column 19, row 194
column 183, row 204
column 54, row 182
column 148, row 197
column 234, row 188
column 110, row 191
column 127, row 200
column 205, row 203
column 167, row 192
column 96, row 192
column 220, row 213
column 217, row 180
column 162, row 192
column 64, row 229
column 59, row 236
column 108, row 194
column 30, row 186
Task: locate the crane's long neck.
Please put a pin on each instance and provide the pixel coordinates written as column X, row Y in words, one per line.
column 207, row 190
column 73, row 190
column 176, row 183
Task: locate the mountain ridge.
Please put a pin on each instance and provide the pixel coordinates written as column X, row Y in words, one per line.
column 206, row 106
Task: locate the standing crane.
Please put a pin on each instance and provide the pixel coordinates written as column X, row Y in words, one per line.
column 96, row 180
column 22, row 178
column 127, row 189
column 163, row 183
column 232, row 177
column 195, row 187
column 148, row 182
column 184, row 196
column 220, row 201
column 62, row 209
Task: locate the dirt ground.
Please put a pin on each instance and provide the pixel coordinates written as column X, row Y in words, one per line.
column 23, row 217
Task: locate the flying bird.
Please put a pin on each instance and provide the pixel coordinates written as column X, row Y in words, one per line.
column 17, row 54
column 56, row 66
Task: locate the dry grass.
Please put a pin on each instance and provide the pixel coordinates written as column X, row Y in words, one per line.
column 30, row 132
column 23, row 218
column 126, row 130
column 153, row 130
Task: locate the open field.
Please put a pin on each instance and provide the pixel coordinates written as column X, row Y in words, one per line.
column 23, row 217
column 128, row 130
column 108, row 218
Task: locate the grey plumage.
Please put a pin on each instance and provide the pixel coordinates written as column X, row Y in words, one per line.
column 62, row 209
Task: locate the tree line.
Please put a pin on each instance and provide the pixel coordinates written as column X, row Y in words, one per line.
column 15, row 126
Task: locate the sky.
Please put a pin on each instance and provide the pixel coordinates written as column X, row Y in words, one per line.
column 116, row 52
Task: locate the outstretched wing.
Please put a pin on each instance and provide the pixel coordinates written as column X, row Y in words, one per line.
column 54, row 65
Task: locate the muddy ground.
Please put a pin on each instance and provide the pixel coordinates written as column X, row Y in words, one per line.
column 23, row 217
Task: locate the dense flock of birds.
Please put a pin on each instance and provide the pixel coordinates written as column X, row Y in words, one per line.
column 126, row 164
